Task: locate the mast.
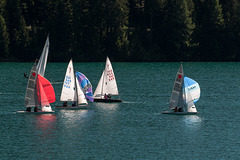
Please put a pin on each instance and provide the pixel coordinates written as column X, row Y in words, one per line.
column 76, row 89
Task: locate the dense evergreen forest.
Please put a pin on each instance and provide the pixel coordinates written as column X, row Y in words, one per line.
column 125, row 30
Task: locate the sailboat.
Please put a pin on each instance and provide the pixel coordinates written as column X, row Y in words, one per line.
column 107, row 85
column 72, row 90
column 39, row 92
column 185, row 93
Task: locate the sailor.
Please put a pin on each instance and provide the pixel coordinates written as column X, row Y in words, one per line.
column 36, row 60
column 28, row 109
column 175, row 109
column 180, row 109
column 105, row 96
column 36, row 109
column 65, row 104
column 25, row 75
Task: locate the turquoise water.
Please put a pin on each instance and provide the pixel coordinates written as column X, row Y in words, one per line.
column 134, row 129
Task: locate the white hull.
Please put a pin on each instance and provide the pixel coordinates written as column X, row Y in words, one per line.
column 179, row 113
column 39, row 112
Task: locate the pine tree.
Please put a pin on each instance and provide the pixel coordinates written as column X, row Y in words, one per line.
column 114, row 27
column 210, row 31
column 18, row 33
column 61, row 31
column 4, row 39
column 178, row 30
column 231, row 45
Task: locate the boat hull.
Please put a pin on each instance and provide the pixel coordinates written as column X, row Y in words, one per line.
column 39, row 112
column 179, row 113
column 107, row 100
column 72, row 107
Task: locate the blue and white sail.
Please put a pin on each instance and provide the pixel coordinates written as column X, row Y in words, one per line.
column 192, row 93
column 85, row 85
column 193, row 88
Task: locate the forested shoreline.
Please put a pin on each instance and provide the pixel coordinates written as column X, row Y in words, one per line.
column 124, row 30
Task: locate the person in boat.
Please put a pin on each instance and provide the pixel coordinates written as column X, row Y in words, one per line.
column 74, row 104
column 180, row 109
column 36, row 109
column 175, row 109
column 65, row 104
column 105, row 96
column 25, row 75
column 36, row 60
column 28, row 109
column 109, row 96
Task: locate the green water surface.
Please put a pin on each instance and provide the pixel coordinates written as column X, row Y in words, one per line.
column 133, row 129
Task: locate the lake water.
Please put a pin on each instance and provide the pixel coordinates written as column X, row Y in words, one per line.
column 133, row 129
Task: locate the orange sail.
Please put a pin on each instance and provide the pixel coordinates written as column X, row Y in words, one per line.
column 46, row 92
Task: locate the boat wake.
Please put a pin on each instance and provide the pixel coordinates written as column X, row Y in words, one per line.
column 9, row 93
column 56, row 82
column 132, row 102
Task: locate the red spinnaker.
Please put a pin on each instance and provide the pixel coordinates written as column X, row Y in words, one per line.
column 47, row 89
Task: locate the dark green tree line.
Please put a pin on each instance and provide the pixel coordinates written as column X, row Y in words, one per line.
column 125, row 30
column 4, row 37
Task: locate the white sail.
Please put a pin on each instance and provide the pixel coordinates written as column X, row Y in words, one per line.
column 177, row 93
column 192, row 93
column 81, row 99
column 193, row 88
column 98, row 91
column 189, row 101
column 69, row 90
column 107, row 84
column 191, row 107
column 43, row 59
column 31, row 99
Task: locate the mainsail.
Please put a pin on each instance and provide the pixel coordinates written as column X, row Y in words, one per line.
column 177, row 93
column 43, row 59
column 68, row 90
column 107, row 83
column 85, row 85
column 31, row 94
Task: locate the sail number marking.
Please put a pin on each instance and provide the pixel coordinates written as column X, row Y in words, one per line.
column 110, row 75
column 67, row 82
